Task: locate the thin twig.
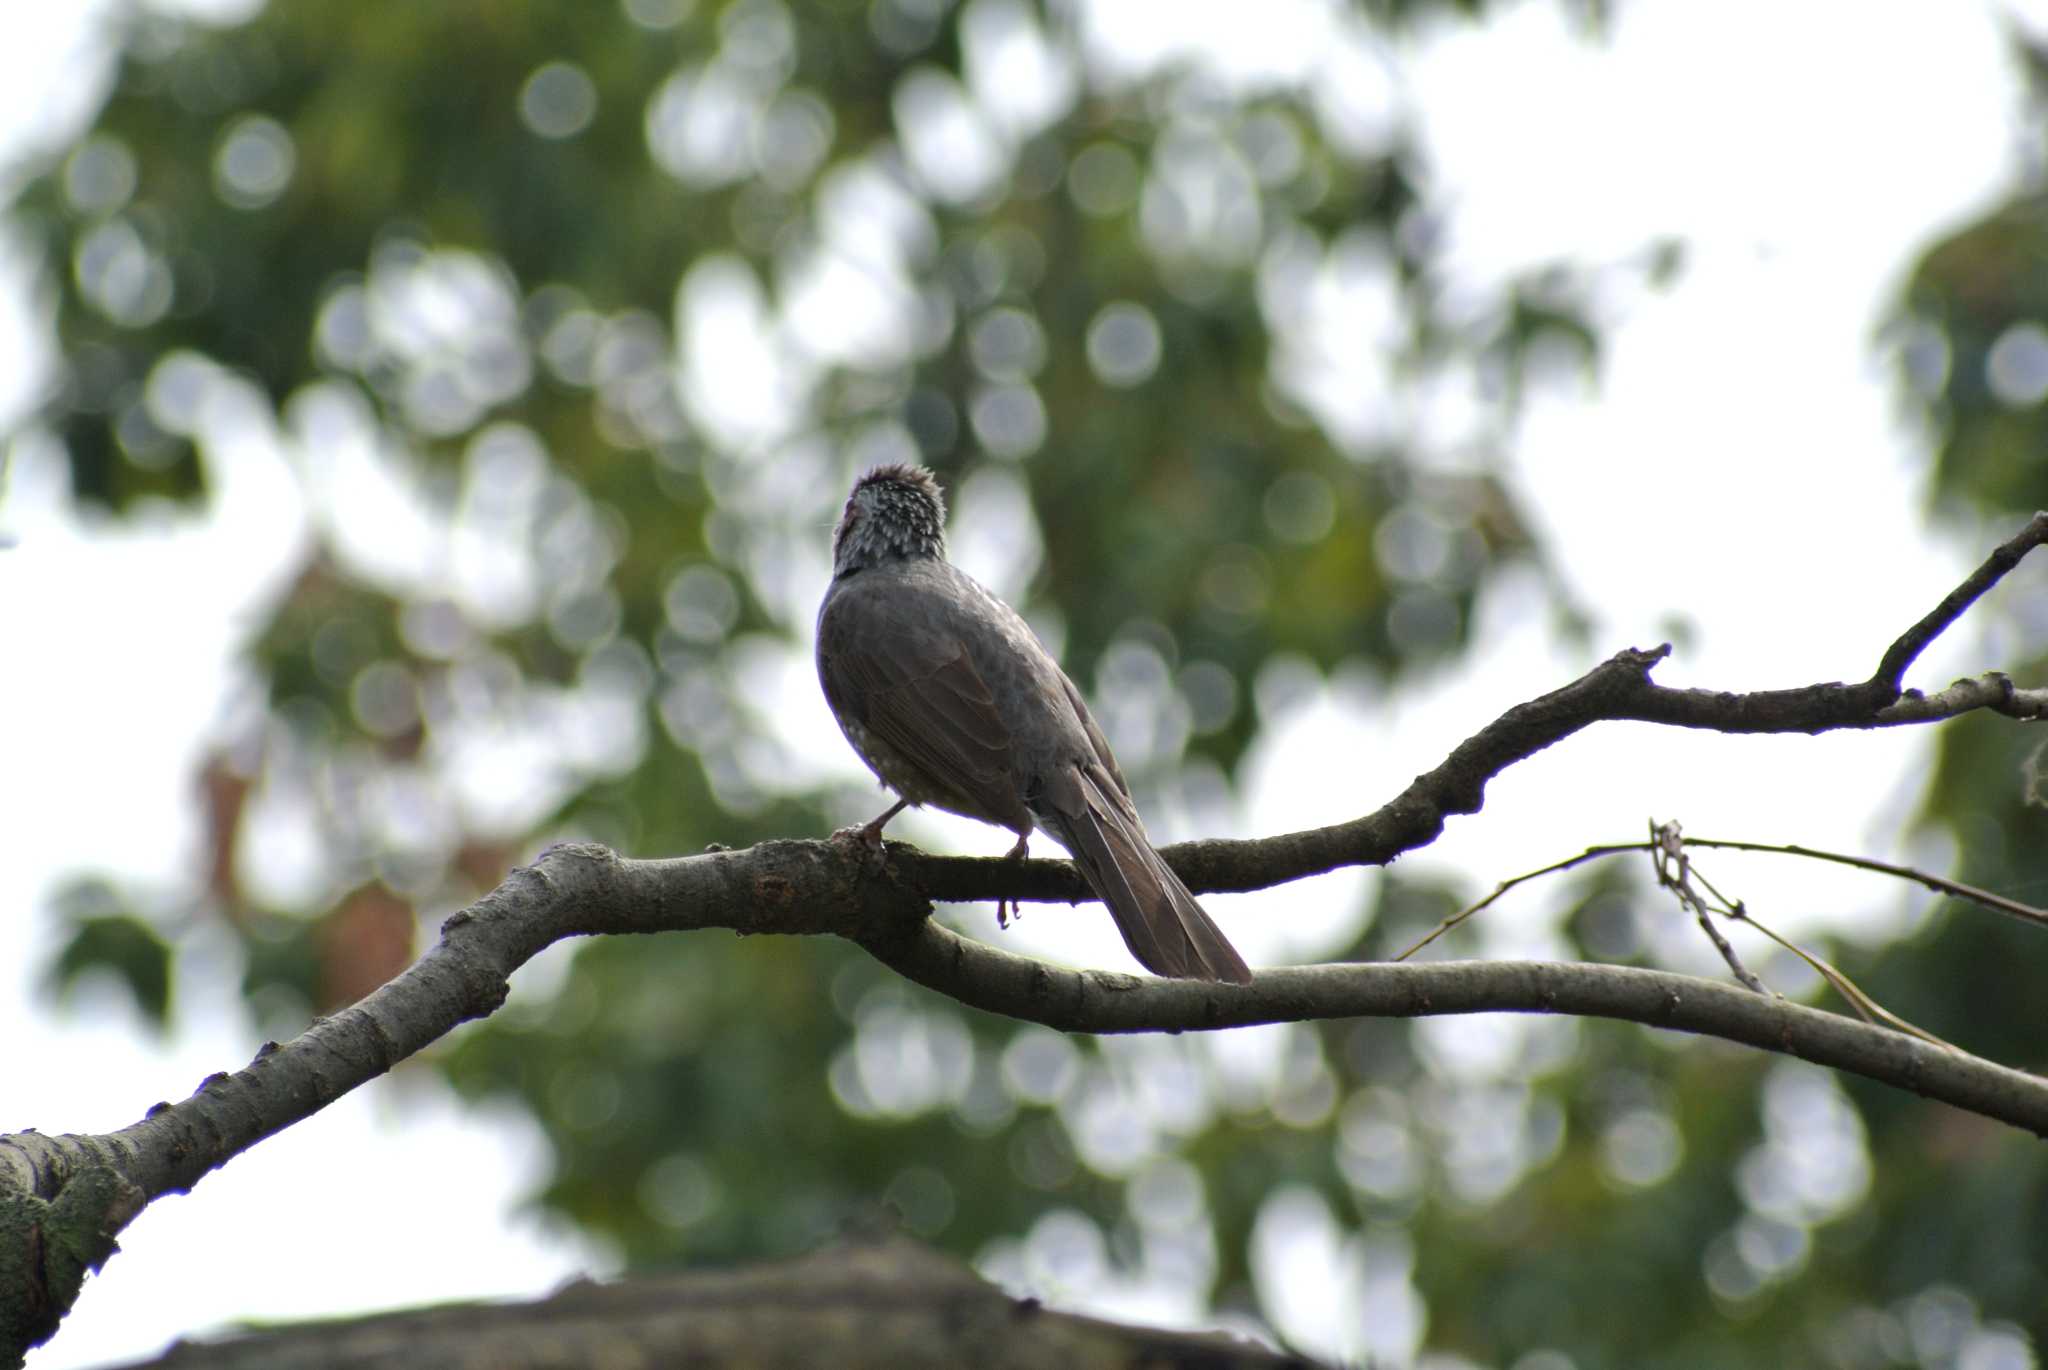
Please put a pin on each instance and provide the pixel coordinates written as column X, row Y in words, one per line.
column 1891, row 670
column 1674, row 872
column 1589, row 854
column 1866, row 1007
column 1668, row 844
column 1940, row 884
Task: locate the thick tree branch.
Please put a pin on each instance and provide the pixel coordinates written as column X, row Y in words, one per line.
column 63, row 1199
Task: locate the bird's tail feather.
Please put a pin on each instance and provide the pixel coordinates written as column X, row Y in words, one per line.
column 1164, row 927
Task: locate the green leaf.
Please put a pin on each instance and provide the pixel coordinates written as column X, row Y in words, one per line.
column 118, row 943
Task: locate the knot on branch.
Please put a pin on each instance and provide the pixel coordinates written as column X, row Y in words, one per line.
column 48, row 1246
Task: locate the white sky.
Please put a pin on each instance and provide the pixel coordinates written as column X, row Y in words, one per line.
column 1741, row 465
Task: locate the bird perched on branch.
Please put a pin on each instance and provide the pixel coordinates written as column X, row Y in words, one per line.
column 953, row 701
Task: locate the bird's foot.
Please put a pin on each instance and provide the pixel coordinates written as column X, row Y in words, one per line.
column 869, row 834
column 868, row 838
column 1008, row 910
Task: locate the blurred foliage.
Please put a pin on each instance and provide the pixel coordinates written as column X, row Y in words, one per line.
column 108, row 939
column 1973, row 326
column 505, row 263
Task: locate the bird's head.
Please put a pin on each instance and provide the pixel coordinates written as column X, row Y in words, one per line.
column 894, row 513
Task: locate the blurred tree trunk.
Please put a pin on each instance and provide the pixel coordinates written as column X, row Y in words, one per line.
column 892, row 1304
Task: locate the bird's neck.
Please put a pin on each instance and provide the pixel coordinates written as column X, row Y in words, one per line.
column 866, row 550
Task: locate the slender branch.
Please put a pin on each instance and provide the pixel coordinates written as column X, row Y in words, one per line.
column 2026, row 913
column 1667, row 843
column 1675, row 873
column 1940, row 884
column 986, row 978
column 1619, row 688
column 1892, row 668
column 1867, row 1008
column 1494, row 895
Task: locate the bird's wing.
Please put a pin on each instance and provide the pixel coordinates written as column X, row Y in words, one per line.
column 1096, row 741
column 914, row 688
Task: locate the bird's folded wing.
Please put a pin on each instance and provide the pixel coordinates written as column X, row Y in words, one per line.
column 919, row 694
column 1096, row 741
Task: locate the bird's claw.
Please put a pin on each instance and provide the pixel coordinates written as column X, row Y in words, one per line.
column 869, row 837
column 1008, row 910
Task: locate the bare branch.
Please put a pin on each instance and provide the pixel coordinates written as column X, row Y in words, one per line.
column 986, row 978
column 1493, row 896
column 1867, row 1008
column 1940, row 884
column 1891, row 670
column 1619, row 688
column 1675, row 873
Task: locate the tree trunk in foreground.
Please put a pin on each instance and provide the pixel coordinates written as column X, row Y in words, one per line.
column 890, row 1304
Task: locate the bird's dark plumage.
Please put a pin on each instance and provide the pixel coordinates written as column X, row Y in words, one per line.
column 952, row 700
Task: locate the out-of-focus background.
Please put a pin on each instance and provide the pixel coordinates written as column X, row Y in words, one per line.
column 425, row 424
